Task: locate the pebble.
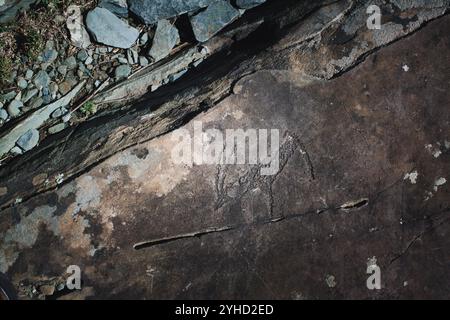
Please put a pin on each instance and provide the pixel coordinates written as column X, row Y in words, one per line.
column 59, row 113
column 29, row 74
column 122, row 60
column 14, row 108
column 122, row 71
column 22, row 83
column 28, row 140
column 82, row 55
column 71, row 63
column 3, row 114
column 29, row 94
column 36, row 103
column 9, row 96
column 46, row 95
column 53, row 87
column 57, row 128
column 16, row 151
column 49, row 55
column 143, row 61
column 65, row 87
column 62, row 69
column 89, row 60
column 132, row 56
column 41, row 80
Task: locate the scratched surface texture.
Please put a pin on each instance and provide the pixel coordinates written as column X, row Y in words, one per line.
column 362, row 162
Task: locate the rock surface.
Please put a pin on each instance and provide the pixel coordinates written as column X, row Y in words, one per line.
column 108, row 29
column 165, row 39
column 152, row 11
column 217, row 16
column 377, row 191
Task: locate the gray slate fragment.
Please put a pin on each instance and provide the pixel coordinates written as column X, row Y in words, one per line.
column 59, row 112
column 3, row 114
column 122, row 71
column 8, row 96
column 29, row 74
column 108, row 29
column 41, row 80
column 166, row 37
column 70, row 63
column 218, row 15
column 82, row 55
column 57, row 128
column 118, row 7
column 16, row 151
column 28, row 140
column 152, row 11
column 29, row 94
column 49, row 55
column 89, row 61
column 143, row 61
column 62, row 69
column 22, row 83
column 36, row 103
column 248, row 4
column 14, row 108
column 132, row 56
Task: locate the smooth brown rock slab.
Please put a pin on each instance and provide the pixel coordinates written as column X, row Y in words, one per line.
column 339, row 199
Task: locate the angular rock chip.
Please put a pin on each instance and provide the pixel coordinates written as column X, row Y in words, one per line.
column 118, row 7
column 14, row 108
column 218, row 15
column 57, row 128
column 29, row 140
column 41, row 80
column 123, row 71
column 3, row 114
column 152, row 11
column 248, row 4
column 110, row 30
column 166, row 37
